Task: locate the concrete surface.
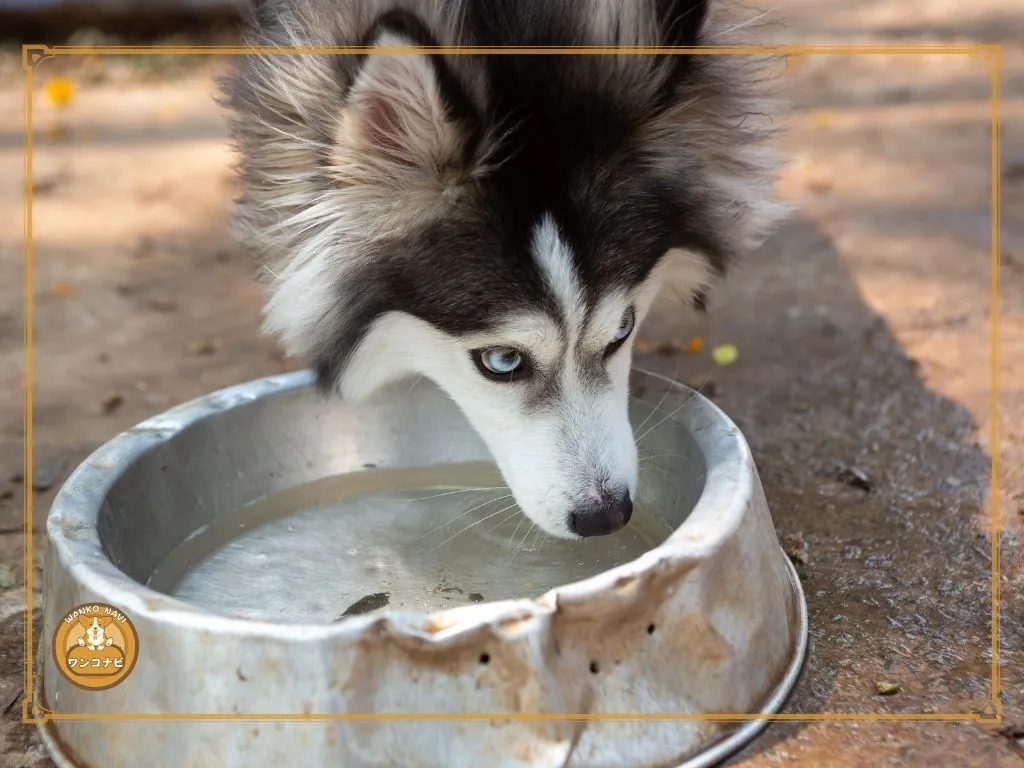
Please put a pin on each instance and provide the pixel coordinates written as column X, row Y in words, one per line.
column 862, row 333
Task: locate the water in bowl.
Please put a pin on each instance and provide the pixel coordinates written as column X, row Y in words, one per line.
column 415, row 539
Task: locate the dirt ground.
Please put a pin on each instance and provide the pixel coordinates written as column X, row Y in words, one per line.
column 862, row 331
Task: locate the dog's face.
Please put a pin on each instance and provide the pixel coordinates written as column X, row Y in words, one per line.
column 497, row 224
column 95, row 629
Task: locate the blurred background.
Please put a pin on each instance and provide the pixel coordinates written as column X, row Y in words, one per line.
column 862, row 379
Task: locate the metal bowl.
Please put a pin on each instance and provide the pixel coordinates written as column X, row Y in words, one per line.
column 284, row 557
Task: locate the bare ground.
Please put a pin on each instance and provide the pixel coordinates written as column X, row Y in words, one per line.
column 862, row 331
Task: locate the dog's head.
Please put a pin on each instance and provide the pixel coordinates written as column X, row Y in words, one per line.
column 499, row 224
column 96, row 629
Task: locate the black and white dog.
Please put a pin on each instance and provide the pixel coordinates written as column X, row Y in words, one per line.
column 499, row 224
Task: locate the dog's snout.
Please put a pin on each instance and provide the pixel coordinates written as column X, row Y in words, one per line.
column 601, row 517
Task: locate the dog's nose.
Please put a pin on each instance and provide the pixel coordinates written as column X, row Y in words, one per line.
column 599, row 518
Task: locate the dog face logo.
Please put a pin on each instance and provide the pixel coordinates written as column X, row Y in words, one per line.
column 95, row 646
column 96, row 638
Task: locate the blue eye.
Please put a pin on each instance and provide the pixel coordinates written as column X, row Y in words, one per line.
column 501, row 363
column 627, row 326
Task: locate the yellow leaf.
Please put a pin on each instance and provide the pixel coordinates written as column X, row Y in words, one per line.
column 63, row 290
column 58, row 91
column 724, row 355
column 821, row 119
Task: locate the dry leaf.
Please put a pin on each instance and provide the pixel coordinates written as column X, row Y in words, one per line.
column 112, row 402
column 54, row 132
column 63, row 290
column 821, row 119
column 203, row 347
column 643, row 346
column 666, row 349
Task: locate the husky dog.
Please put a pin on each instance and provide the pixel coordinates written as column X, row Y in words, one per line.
column 498, row 223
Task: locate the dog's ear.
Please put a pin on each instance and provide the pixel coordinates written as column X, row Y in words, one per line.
column 405, row 118
column 682, row 21
column 85, row 621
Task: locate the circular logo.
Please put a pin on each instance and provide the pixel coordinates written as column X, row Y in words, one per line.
column 95, row 646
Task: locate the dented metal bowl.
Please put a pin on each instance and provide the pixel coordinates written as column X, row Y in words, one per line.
column 308, row 566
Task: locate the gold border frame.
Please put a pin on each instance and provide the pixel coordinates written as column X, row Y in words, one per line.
column 991, row 712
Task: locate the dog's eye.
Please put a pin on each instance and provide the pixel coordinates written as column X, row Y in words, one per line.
column 501, row 363
column 626, row 328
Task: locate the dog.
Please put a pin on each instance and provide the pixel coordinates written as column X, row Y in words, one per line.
column 498, row 223
column 96, row 637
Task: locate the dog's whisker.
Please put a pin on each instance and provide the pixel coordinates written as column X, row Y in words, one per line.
column 461, row 515
column 673, row 412
column 440, row 495
column 505, row 520
column 660, row 402
column 687, row 459
column 475, row 523
column 522, row 543
column 518, row 525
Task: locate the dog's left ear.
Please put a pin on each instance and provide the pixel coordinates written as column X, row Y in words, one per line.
column 405, row 121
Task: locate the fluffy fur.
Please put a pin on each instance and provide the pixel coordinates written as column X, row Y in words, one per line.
column 415, row 210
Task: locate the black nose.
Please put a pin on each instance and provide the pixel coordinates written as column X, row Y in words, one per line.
column 599, row 518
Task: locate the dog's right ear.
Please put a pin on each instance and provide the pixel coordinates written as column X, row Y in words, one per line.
column 406, row 122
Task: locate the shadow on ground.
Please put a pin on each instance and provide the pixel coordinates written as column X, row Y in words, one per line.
column 874, row 481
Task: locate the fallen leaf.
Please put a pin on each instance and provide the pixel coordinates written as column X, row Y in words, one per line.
column 724, row 355
column 163, row 304
column 695, row 345
column 643, row 346
column 54, row 132
column 1014, row 171
column 203, row 346
column 63, row 290
column 666, row 349
column 58, row 91
column 886, row 688
column 112, row 402
column 45, row 184
column 820, row 186
column 821, row 119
